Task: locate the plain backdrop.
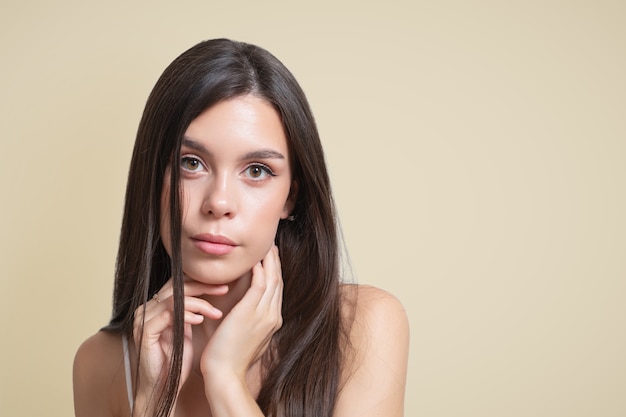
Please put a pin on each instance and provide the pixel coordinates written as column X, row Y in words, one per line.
column 477, row 152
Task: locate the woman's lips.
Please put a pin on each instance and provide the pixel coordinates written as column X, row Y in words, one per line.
column 213, row 244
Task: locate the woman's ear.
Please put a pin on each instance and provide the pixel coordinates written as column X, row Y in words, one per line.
column 291, row 201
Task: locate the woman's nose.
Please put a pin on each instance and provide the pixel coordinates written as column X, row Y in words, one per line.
column 220, row 199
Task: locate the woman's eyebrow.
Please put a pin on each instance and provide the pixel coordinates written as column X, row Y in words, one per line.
column 264, row 153
column 196, row 146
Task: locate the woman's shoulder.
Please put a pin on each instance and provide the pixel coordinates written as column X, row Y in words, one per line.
column 372, row 305
column 376, row 319
column 101, row 353
column 375, row 377
column 98, row 375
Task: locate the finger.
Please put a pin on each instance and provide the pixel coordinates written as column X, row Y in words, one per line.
column 277, row 257
column 203, row 307
column 277, row 296
column 156, row 307
column 281, row 283
column 277, row 299
column 192, row 318
column 257, row 288
column 276, row 305
column 193, row 304
column 156, row 299
column 193, row 288
column 273, row 277
column 154, row 327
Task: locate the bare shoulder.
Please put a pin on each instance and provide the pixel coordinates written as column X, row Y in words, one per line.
column 98, row 376
column 374, row 300
column 375, row 378
column 374, row 313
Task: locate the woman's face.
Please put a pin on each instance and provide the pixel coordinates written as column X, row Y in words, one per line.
column 236, row 180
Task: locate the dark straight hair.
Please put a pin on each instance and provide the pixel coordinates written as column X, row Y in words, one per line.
column 302, row 368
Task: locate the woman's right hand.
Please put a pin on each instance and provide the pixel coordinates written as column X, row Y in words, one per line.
column 153, row 333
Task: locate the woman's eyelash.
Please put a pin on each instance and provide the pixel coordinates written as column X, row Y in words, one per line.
column 265, row 168
column 255, row 170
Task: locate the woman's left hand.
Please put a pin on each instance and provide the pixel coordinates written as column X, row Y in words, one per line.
column 245, row 333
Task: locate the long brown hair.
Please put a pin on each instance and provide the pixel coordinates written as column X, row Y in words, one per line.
column 303, row 367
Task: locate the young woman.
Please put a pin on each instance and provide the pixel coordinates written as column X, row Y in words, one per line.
column 228, row 297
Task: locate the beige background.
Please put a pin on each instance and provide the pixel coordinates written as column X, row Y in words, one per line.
column 477, row 151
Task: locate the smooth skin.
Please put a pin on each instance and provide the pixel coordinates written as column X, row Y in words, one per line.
column 236, row 178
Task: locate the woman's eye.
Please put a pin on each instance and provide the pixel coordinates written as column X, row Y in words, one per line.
column 191, row 164
column 258, row 172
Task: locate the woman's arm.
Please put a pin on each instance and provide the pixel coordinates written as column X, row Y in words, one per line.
column 376, row 377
